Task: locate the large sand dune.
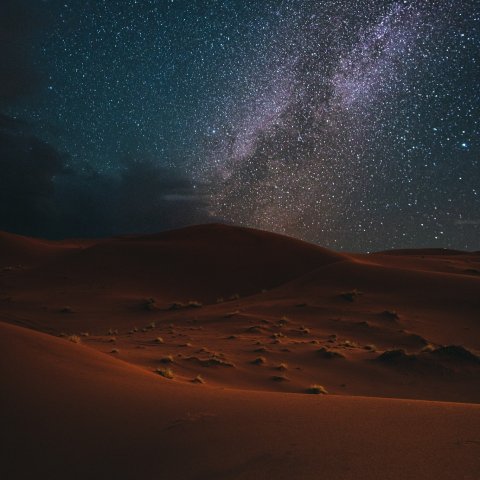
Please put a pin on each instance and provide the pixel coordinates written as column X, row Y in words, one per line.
column 87, row 326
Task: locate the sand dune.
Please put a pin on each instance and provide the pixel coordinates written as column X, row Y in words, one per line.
column 75, row 413
column 245, row 322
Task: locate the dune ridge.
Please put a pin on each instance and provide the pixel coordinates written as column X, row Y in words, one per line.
column 190, row 354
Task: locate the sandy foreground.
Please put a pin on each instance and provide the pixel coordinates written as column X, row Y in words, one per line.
column 245, row 322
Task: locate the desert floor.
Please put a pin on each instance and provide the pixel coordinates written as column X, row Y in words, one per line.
column 217, row 352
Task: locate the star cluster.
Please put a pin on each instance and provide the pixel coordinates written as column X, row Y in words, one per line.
column 351, row 124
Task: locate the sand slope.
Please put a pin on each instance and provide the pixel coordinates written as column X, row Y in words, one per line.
column 75, row 413
column 392, row 336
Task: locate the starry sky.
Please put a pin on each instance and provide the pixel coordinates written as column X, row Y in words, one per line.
column 351, row 124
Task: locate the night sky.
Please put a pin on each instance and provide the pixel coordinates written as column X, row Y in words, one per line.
column 352, row 124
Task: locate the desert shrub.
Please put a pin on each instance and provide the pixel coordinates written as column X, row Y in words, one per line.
column 261, row 350
column 316, row 390
column 198, row 379
column 325, row 353
column 259, row 361
column 176, row 306
column 396, row 356
column 165, row 372
column 150, row 304
column 390, row 314
column 213, row 361
column 167, row 359
column 351, row 295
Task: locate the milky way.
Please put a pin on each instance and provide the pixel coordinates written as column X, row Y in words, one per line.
column 357, row 141
column 353, row 124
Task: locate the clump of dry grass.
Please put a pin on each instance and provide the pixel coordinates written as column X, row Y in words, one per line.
column 158, row 340
column 84, row 334
column 150, row 304
column 167, row 359
column 316, row 390
column 176, row 306
column 112, row 332
column 282, row 367
column 235, row 296
column 198, row 379
column 351, row 296
column 390, row 314
column 254, row 329
column 428, row 348
column 280, row 378
column 232, row 314
column 115, row 350
column 261, row 350
column 214, row 360
column 325, row 353
column 189, row 304
column 165, row 372
column 74, row 338
column 304, row 330
column 395, row 356
column 259, row 361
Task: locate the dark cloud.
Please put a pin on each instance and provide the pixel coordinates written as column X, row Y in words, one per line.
column 40, row 195
column 27, row 169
